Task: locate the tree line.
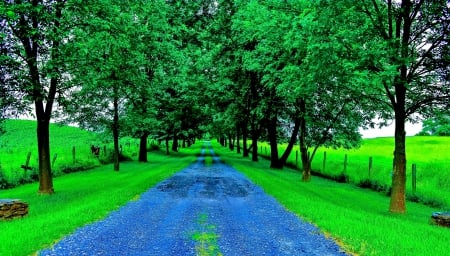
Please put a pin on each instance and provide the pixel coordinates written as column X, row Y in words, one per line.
column 297, row 71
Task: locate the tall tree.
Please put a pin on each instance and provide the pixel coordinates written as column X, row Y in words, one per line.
column 412, row 56
column 34, row 32
column 108, row 66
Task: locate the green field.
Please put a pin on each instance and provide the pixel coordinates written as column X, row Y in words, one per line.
column 20, row 139
column 356, row 218
column 431, row 155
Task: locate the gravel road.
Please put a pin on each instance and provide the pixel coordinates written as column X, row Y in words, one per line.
column 203, row 209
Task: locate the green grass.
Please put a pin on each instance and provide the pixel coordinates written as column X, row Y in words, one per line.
column 430, row 154
column 357, row 218
column 82, row 198
column 20, row 138
column 206, row 238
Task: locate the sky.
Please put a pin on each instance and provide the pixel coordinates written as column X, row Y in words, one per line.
column 388, row 131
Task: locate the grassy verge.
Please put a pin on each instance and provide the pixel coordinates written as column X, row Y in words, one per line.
column 357, row 218
column 82, row 198
column 429, row 154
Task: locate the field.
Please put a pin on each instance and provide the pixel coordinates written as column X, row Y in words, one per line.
column 431, row 155
column 20, row 139
column 356, row 218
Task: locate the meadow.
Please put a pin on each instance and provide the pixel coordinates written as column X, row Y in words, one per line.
column 357, row 218
column 431, row 155
column 69, row 147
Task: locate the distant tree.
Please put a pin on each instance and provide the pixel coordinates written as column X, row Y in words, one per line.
column 437, row 126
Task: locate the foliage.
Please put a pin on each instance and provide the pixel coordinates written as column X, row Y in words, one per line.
column 437, row 126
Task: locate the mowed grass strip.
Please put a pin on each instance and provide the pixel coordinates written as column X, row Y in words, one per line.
column 356, row 218
column 82, row 198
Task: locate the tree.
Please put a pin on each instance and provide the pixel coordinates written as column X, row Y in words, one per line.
column 437, row 126
column 412, row 57
column 34, row 32
column 327, row 89
column 108, row 66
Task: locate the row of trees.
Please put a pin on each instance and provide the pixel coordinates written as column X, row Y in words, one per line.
column 321, row 69
column 307, row 72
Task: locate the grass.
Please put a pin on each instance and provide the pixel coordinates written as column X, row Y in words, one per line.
column 356, row 218
column 430, row 154
column 206, row 238
column 82, row 198
column 20, row 138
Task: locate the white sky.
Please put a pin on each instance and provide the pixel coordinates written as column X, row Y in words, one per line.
column 388, row 131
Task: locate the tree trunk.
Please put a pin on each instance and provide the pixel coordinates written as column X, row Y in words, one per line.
column 255, row 145
column 143, row 148
column 183, row 145
column 115, row 129
column 292, row 141
column 306, row 162
column 397, row 203
column 175, row 143
column 189, row 142
column 238, row 137
column 45, row 173
column 244, row 142
column 272, row 132
column 230, row 143
column 167, row 145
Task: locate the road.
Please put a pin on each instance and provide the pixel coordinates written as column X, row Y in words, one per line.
column 202, row 210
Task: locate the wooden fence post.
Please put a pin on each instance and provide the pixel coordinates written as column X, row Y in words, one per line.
column 414, row 177
column 370, row 165
column 54, row 159
column 73, row 154
column 324, row 160
column 345, row 162
column 26, row 166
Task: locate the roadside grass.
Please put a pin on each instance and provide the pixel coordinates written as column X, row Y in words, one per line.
column 430, row 154
column 82, row 198
column 356, row 218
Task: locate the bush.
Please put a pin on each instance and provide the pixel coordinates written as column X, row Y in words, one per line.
column 4, row 183
column 153, row 147
column 109, row 158
column 375, row 185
